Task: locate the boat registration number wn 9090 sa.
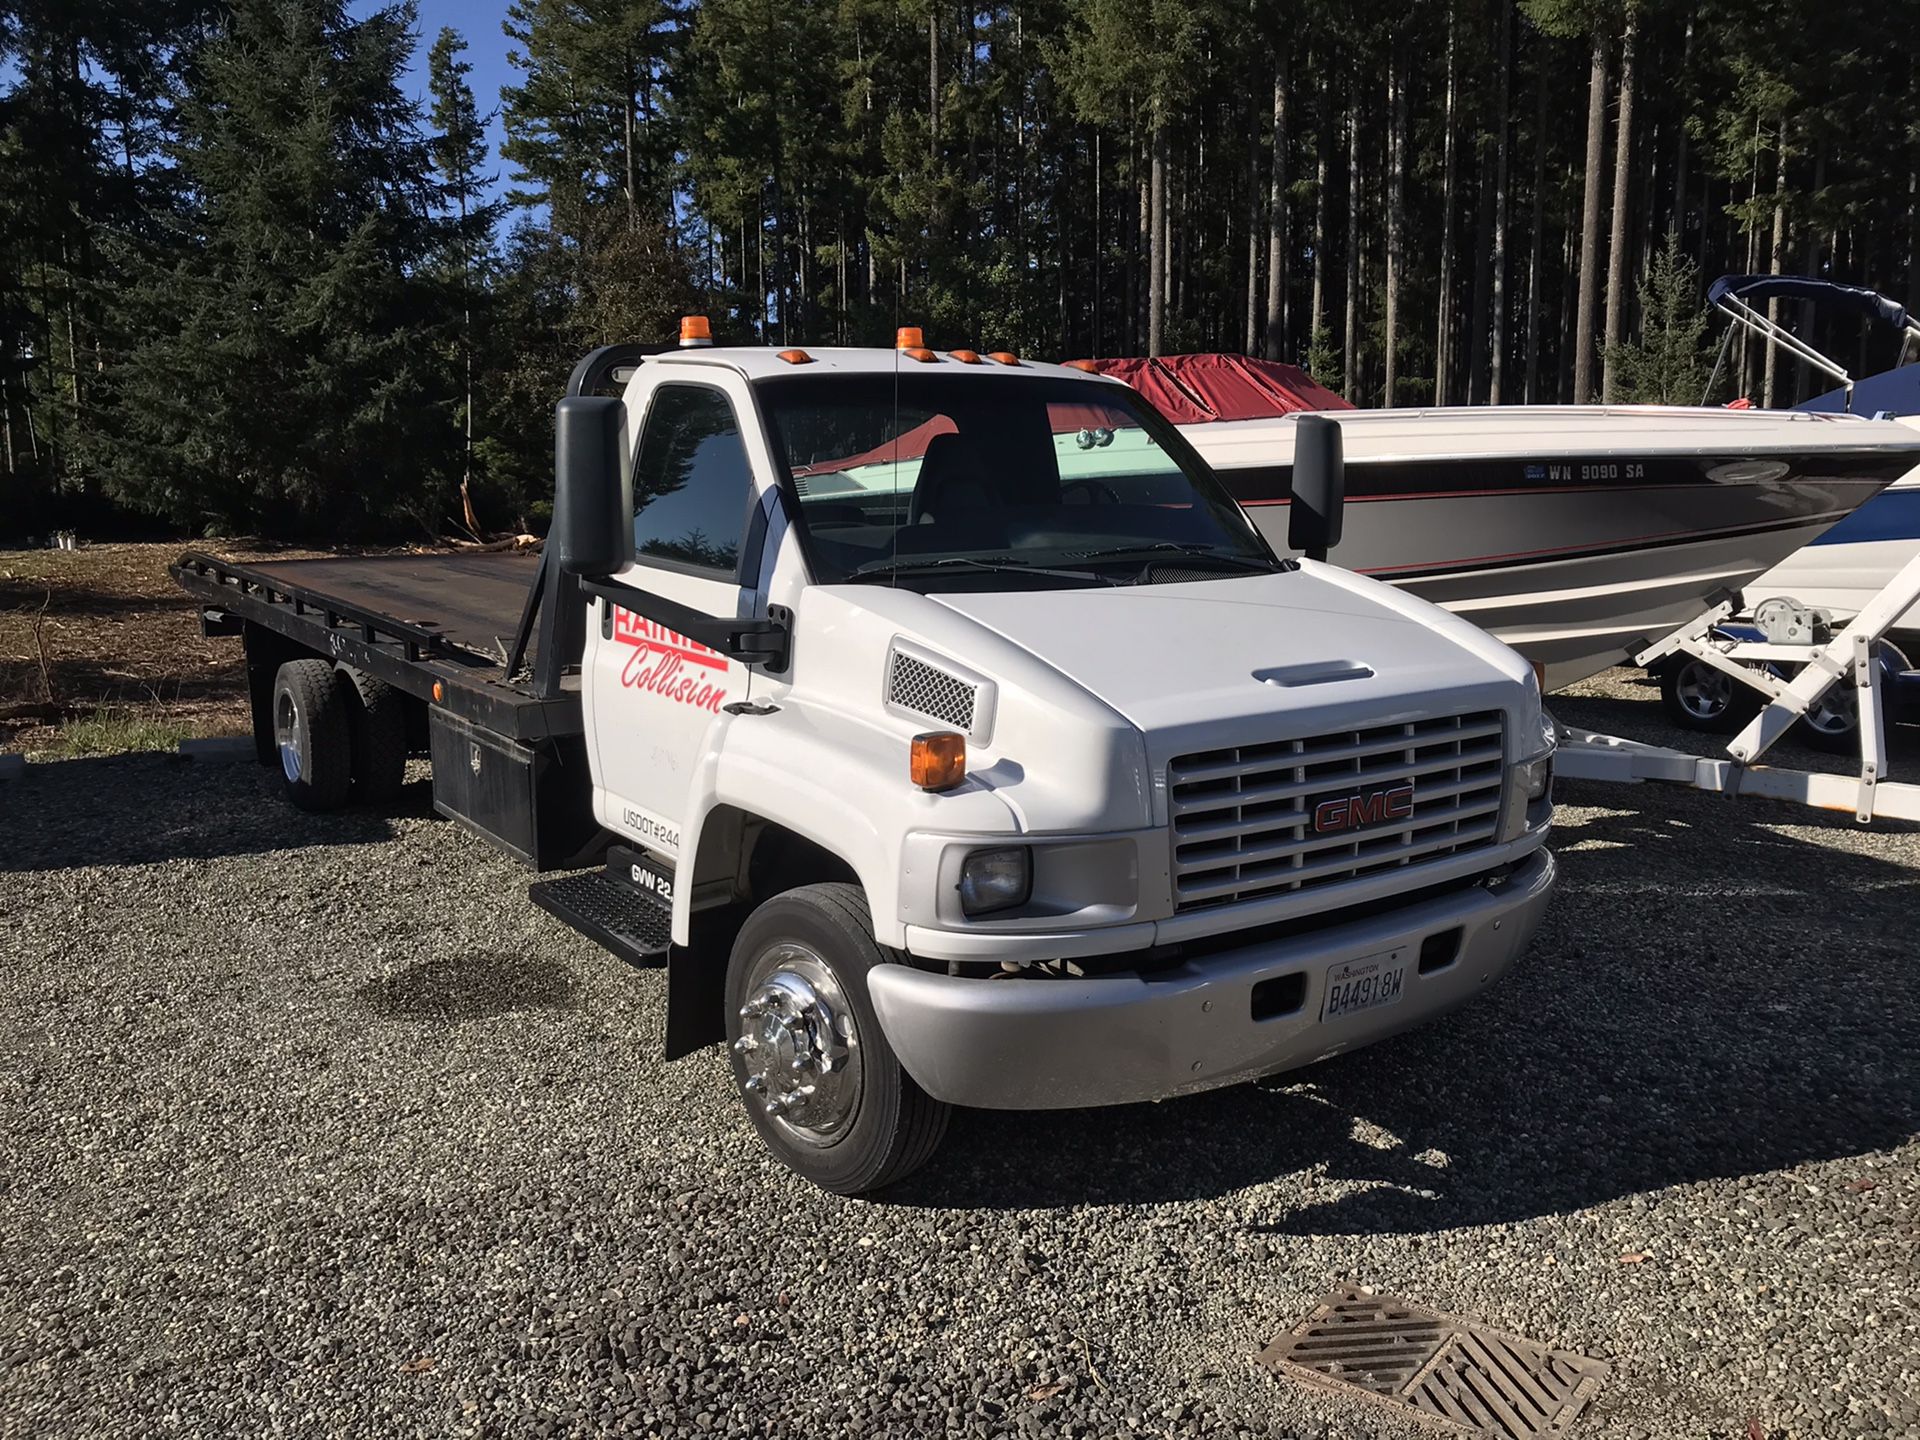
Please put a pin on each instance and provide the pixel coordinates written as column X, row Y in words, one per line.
column 1370, row 983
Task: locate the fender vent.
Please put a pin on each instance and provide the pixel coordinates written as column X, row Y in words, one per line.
column 917, row 685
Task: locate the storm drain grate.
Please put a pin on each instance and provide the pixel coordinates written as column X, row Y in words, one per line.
column 1462, row 1377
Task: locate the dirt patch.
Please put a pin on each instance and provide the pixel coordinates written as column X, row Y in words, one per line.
column 102, row 637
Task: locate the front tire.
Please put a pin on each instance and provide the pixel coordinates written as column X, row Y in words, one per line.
column 821, row 1085
column 312, row 733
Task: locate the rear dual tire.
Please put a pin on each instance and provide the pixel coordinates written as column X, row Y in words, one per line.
column 340, row 735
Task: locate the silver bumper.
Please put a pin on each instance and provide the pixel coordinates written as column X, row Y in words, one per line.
column 1044, row 1044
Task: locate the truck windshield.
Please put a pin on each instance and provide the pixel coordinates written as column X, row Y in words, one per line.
column 950, row 480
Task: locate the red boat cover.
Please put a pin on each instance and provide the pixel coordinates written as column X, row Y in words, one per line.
column 1193, row 389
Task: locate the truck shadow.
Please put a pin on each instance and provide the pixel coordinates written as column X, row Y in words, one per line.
column 145, row 809
column 1718, row 990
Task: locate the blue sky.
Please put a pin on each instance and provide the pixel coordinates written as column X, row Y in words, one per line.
column 478, row 21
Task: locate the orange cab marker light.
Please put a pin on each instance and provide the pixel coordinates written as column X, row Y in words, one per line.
column 796, row 357
column 1004, row 357
column 939, row 760
column 966, row 357
column 922, row 354
column 439, row 692
column 1086, row 365
column 908, row 337
column 694, row 330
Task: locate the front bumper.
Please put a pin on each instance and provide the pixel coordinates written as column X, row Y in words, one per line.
column 1043, row 1044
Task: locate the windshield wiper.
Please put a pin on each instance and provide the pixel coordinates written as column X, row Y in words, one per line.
column 1186, row 552
column 910, row 565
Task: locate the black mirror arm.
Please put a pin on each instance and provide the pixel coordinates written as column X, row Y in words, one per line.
column 752, row 642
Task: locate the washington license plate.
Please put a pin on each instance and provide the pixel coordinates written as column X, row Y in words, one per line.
column 1369, row 983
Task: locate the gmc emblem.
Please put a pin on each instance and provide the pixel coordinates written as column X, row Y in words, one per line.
column 1369, row 807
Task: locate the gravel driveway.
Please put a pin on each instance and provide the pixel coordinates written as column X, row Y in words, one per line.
column 315, row 1126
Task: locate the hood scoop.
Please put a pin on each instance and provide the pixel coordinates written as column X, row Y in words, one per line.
column 1317, row 672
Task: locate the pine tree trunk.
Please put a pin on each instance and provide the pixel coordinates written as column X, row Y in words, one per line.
column 1278, row 260
column 1396, row 197
column 1804, row 374
column 1349, row 367
column 1443, row 324
column 1157, row 229
column 1534, row 240
column 1590, row 220
column 1483, row 208
column 1250, row 331
column 1778, row 257
column 1497, row 344
column 1622, row 188
column 1317, row 309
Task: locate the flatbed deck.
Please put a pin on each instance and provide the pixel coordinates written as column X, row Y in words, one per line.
column 415, row 621
column 473, row 599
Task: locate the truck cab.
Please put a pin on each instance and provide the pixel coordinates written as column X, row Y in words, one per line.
column 949, row 733
column 1094, row 798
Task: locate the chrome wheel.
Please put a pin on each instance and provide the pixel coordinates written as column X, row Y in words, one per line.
column 799, row 1045
column 1837, row 712
column 286, row 734
column 1703, row 692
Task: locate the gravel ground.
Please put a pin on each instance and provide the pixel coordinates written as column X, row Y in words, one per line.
column 318, row 1127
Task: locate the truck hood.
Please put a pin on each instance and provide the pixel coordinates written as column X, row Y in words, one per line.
column 1211, row 663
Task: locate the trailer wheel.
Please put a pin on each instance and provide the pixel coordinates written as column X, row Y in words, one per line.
column 1698, row 696
column 1833, row 724
column 377, row 728
column 311, row 731
column 820, row 1082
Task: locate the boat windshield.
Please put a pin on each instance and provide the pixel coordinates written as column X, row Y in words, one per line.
column 948, row 481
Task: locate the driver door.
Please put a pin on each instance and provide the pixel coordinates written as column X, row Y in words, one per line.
column 655, row 693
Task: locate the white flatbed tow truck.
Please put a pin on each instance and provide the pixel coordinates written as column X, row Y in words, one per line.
column 964, row 782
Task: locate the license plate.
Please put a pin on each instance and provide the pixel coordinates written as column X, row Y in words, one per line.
column 1370, row 983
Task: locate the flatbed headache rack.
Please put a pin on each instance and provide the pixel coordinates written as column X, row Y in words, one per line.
column 1849, row 658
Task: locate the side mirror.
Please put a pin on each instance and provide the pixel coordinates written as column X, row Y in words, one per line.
column 592, row 532
column 1319, row 486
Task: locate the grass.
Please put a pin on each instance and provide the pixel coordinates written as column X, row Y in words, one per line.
column 114, row 730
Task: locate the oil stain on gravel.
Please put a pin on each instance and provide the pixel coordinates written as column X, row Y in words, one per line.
column 472, row 987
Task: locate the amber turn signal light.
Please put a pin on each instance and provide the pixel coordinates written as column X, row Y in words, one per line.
column 439, row 692
column 939, row 760
column 908, row 337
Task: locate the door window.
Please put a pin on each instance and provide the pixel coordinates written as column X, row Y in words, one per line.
column 690, row 481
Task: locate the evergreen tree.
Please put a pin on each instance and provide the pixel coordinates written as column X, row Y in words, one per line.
column 1670, row 363
column 459, row 149
column 290, row 375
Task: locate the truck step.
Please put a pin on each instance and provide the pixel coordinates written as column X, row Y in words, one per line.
column 631, row 923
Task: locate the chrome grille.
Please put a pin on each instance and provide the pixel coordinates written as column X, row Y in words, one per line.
column 927, row 690
column 1243, row 819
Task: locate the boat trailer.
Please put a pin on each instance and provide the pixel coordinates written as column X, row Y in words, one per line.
column 1850, row 657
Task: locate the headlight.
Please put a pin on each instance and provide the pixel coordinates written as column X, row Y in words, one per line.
column 1530, row 784
column 995, row 880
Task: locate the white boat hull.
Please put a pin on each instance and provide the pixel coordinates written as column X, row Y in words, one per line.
column 1574, row 533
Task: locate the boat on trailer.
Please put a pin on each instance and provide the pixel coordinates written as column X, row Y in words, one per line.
column 1576, row 534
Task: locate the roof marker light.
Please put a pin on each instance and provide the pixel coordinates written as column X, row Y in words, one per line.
column 694, row 330
column 1004, row 357
column 922, row 354
column 1086, row 365
column 966, row 357
column 796, row 357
